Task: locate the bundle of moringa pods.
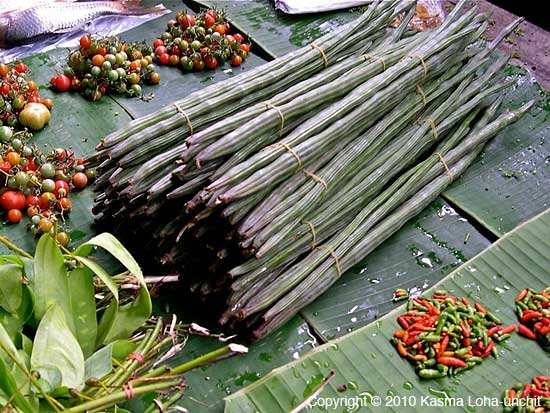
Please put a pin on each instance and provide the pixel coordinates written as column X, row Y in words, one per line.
column 263, row 189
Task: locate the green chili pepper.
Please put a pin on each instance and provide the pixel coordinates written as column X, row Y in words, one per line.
column 492, row 317
column 460, row 352
column 500, row 338
column 431, row 374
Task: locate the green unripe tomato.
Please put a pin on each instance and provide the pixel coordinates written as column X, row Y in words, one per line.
column 121, row 73
column 47, row 170
column 111, row 58
column 48, row 185
column 5, row 134
column 106, row 66
column 196, row 45
column 95, row 71
column 12, row 183
column 22, row 178
column 136, row 90
column 35, row 219
column 27, row 151
column 113, row 75
column 17, row 144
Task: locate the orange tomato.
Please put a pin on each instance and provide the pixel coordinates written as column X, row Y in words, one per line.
column 14, row 215
column 65, row 203
column 13, row 157
column 48, row 103
column 98, row 60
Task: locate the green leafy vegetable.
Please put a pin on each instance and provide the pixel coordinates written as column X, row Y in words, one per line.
column 50, row 284
column 55, row 346
column 10, row 287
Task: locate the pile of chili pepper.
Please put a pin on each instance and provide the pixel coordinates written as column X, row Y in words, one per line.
column 533, row 310
column 444, row 335
column 530, row 397
column 400, row 295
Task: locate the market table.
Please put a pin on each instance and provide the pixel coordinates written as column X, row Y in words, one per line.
column 507, row 185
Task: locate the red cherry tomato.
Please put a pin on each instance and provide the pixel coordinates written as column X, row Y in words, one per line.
column 21, row 67
column 164, row 59
column 5, row 166
column 220, row 28
column 12, row 200
column 160, row 50
column 230, row 38
column 211, row 62
column 32, row 200
column 238, row 37
column 14, row 216
column 59, row 184
column 245, row 47
column 157, row 43
column 187, row 20
column 80, row 180
column 236, row 60
column 209, row 21
column 62, row 82
column 102, row 51
column 85, row 42
column 4, row 89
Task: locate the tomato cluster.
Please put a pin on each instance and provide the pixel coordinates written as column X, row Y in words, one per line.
column 104, row 65
column 200, row 42
column 38, row 183
column 16, row 92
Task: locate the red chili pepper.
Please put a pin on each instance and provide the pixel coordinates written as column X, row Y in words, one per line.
column 512, row 394
column 529, row 315
column 410, row 340
column 465, row 331
column 526, row 332
column 465, row 301
column 451, row 362
column 443, row 345
column 493, row 330
column 480, row 308
column 521, row 295
column 508, row 330
column 402, row 322
column 420, row 327
column 466, row 342
column 526, row 390
column 537, row 383
column 488, row 349
column 543, row 378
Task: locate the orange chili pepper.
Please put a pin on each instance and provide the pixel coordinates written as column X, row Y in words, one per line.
column 401, row 349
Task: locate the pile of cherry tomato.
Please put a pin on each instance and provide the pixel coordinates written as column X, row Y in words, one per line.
column 200, row 42
column 104, row 65
column 38, row 184
column 20, row 101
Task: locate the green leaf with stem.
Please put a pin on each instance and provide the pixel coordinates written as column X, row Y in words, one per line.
column 56, row 346
column 50, row 284
column 81, row 288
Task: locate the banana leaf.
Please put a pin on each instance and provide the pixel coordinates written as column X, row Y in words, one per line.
column 508, row 183
column 365, row 364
